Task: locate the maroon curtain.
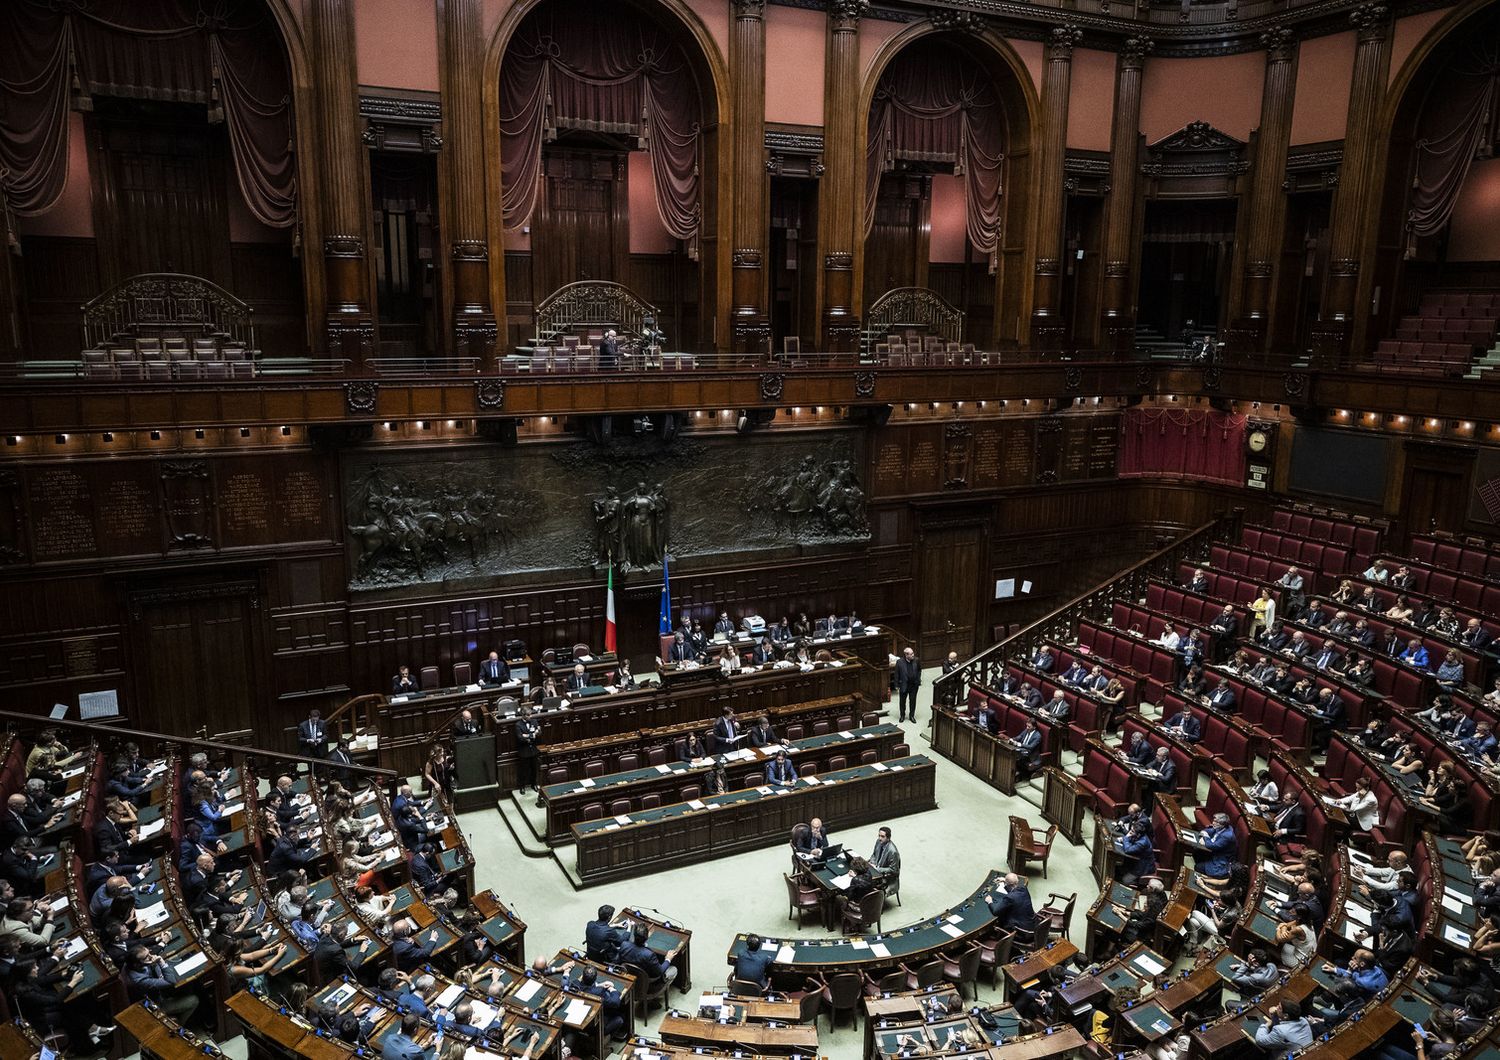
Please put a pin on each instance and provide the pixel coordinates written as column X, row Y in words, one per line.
column 927, row 108
column 1188, row 443
column 1458, row 119
column 225, row 53
column 591, row 66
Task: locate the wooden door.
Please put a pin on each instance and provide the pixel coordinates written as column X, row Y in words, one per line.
column 950, row 559
column 581, row 229
column 896, row 250
column 1435, row 493
column 196, row 662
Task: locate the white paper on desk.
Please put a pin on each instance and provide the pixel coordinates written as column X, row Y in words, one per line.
column 664, row 769
column 1453, row 934
column 951, row 931
column 585, row 658
column 586, row 782
column 858, row 944
column 76, row 945
column 845, row 734
column 197, row 960
column 611, row 827
column 152, row 914
column 575, row 1012
column 483, row 1015
column 398, row 699
column 360, row 800
column 60, row 904
column 1453, row 905
column 448, row 996
column 711, row 1001
column 1358, row 857
column 812, row 780
column 528, row 991
column 897, row 769
column 622, row 818
column 69, row 774
column 696, row 804
column 234, row 807
column 70, row 799
column 149, row 830
column 764, row 790
column 1459, row 897
column 954, row 918
column 842, row 882
column 1357, row 913
column 1150, row 964
column 879, row 950
column 786, row 955
column 880, row 767
column 1349, row 930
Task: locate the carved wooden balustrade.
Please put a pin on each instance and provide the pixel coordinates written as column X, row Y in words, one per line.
column 591, row 304
column 1061, row 626
column 167, row 304
column 916, row 308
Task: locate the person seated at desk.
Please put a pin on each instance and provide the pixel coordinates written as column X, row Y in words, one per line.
column 761, row 733
column 681, row 651
column 292, row 850
column 579, row 679
column 1450, row 672
column 729, row 660
column 1142, row 918
column 1011, row 905
column 1193, row 650
column 1444, row 624
column 1042, row 660
column 22, row 868
column 1075, row 674
column 1226, row 623
column 1185, row 726
column 623, row 678
column 1289, row 820
column 465, row 725
column 801, row 657
column 586, row 981
column 724, row 625
column 1169, row 637
column 656, row 967
column 1199, row 582
column 494, row 670
column 1475, row 636
column 1215, row 856
column 1139, row 750
column 1363, row 971
column 815, row 840
column 699, row 640
column 781, row 633
column 1133, row 813
column 1057, row 708
column 885, row 859
column 1010, row 684
column 1222, row 698
column 1481, row 744
column 1140, row 854
column 1251, row 976
column 754, row 965
column 987, row 718
column 854, row 624
column 403, row 683
column 1401, row 610
column 1315, row 617
column 1164, row 782
column 781, row 770
column 1029, row 746
column 1265, row 794
column 1415, row 654
column 861, row 882
column 716, row 783
column 601, row 939
column 1342, row 625
column 1031, row 697
column 1285, row 1029
column 1368, row 599
column 1113, row 692
column 802, row 627
column 402, row 1044
column 691, row 749
column 1192, row 683
column 545, row 691
column 151, row 977
column 765, row 652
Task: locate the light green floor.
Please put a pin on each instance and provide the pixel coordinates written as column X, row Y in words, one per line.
column 945, row 854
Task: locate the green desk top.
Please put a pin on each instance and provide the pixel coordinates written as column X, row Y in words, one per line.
column 967, row 918
column 566, row 788
column 1150, row 1020
column 683, row 809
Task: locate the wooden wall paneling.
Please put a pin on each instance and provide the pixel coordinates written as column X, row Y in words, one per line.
column 57, row 276
column 269, row 278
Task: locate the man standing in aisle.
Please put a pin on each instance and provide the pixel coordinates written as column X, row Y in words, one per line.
column 908, row 680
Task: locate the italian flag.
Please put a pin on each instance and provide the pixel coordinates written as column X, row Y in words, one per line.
column 609, row 609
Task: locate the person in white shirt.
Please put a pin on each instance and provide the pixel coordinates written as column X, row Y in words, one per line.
column 1376, row 572
column 729, row 660
column 1382, row 877
column 1169, row 638
column 1362, row 805
column 1265, row 792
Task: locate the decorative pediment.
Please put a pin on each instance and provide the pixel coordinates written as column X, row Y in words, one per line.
column 1197, row 149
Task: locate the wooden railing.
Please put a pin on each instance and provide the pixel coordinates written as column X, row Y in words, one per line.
column 592, row 304
column 167, row 304
column 363, row 712
column 21, row 723
column 1061, row 625
column 914, row 307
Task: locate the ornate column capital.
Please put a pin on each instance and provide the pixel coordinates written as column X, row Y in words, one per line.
column 1373, row 21
column 844, row 15
column 749, row 10
column 1278, row 44
column 1062, row 41
column 1134, row 51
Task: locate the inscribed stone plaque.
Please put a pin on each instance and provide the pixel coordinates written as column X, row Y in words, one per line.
column 925, row 469
column 62, row 514
column 1104, row 446
column 986, row 465
column 300, row 504
column 244, row 507
column 1017, row 452
column 129, row 511
column 1075, row 448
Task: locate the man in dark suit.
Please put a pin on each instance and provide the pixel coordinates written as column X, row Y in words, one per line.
column 1222, row 697
column 1391, row 644
column 681, row 650
column 424, row 872
column 609, row 351
column 724, row 625
column 1029, row 743
column 578, row 680
column 764, row 652
column 726, row 731
column 494, row 670
column 636, row 952
column 403, row 683
column 780, row 770
column 1328, row 716
column 1011, row 905
column 1042, row 660
column 340, row 759
column 1227, row 624
column 410, row 953
column 601, row 939
column 1289, row 823
column 1185, row 726
column 1327, row 657
column 908, row 680
column 1140, row 751
column 312, row 735
column 1031, row 697
column 1315, row 617
column 1165, row 781
column 814, row 839
column 1475, row 635
column 950, row 689
column 754, row 965
column 465, row 725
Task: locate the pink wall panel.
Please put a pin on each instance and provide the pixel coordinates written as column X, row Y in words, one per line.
column 795, row 49
column 949, row 210
column 518, row 238
column 873, row 33
column 1223, row 91
column 1409, row 33
column 395, row 43
column 73, row 215
column 1091, row 103
column 1325, row 67
column 1476, row 217
column 714, row 14
column 1030, row 54
column 647, row 233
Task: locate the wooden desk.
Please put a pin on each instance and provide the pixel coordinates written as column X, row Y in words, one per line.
column 759, row 1037
column 665, row 937
column 1018, row 973
column 743, row 820
column 566, row 800
column 159, row 1036
column 993, row 759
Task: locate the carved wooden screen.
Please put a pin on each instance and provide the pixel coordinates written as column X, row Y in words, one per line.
column 582, row 226
column 896, row 249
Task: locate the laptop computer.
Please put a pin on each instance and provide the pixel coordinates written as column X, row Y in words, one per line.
column 551, row 702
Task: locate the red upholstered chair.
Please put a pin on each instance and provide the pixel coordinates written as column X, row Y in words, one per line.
column 801, row 899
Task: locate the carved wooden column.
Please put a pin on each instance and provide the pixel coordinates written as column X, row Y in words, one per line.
column 841, row 203
column 1372, row 58
column 1124, row 173
column 350, row 326
column 1267, row 194
column 749, row 329
column 1047, row 327
column 463, row 144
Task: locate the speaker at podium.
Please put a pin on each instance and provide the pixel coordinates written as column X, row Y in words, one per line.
column 474, row 772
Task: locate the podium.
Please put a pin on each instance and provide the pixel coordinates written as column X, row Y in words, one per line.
column 474, row 772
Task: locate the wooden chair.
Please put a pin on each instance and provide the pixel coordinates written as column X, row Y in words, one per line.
column 842, row 993
column 1026, row 847
column 858, row 915
column 628, row 761
column 650, row 801
column 689, row 793
column 648, row 990
column 429, row 677
column 801, row 899
column 963, row 970
column 556, row 775
column 594, row 767
column 994, row 953
column 619, row 807
column 1060, row 917
column 594, row 811
column 463, row 674
column 889, row 983
column 925, row 976
column 745, row 988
